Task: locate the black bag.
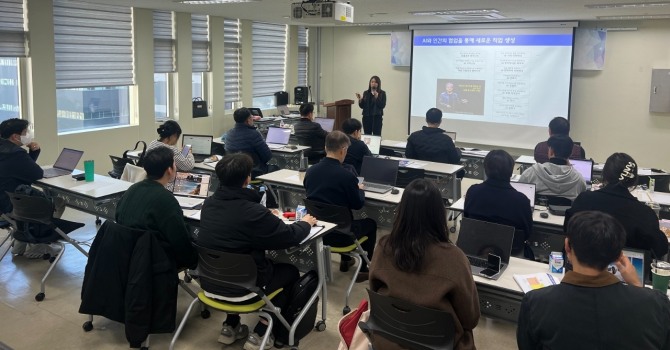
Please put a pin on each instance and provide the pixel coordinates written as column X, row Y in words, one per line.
column 299, row 294
column 199, row 108
column 140, row 161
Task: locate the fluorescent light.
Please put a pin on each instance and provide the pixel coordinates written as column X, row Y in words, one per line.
column 621, row 29
column 454, row 12
column 628, row 5
column 628, row 17
column 210, row 2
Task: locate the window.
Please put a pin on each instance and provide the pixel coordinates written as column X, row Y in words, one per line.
column 303, row 55
column 94, row 65
column 164, row 62
column 197, row 83
column 231, row 62
column 269, row 61
column 12, row 46
column 200, row 53
column 10, row 100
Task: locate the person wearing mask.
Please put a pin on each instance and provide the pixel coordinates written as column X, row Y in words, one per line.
column 168, row 136
column 310, row 133
column 373, row 102
column 245, row 138
column 358, row 149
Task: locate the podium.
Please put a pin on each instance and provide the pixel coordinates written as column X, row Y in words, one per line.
column 340, row 111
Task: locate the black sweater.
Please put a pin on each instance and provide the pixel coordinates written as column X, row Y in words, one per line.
column 17, row 167
column 357, row 150
column 433, row 145
column 329, row 182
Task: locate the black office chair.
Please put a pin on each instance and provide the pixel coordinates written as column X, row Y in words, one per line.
column 342, row 217
column 118, row 165
column 408, row 325
column 552, row 200
column 32, row 222
column 217, row 269
column 385, row 151
column 313, row 156
column 407, row 175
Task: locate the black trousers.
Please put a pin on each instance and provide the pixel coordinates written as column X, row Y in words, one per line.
column 372, row 125
column 360, row 228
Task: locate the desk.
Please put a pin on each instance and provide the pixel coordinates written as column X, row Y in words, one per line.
column 443, row 174
column 284, row 158
column 98, row 198
column 286, row 186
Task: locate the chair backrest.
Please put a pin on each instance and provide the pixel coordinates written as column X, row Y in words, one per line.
column 407, row 175
column 341, row 216
column 227, row 270
column 32, row 209
column 385, row 151
column 408, row 325
column 118, row 166
column 556, row 200
column 133, row 173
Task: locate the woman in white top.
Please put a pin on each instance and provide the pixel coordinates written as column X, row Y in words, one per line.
column 168, row 136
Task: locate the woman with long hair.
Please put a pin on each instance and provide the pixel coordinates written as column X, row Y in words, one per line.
column 372, row 102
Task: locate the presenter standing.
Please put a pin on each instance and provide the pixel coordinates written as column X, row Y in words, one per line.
column 372, row 102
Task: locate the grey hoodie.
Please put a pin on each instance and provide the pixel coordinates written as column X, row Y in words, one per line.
column 555, row 180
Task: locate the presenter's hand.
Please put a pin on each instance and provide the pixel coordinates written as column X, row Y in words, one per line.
column 33, row 146
column 358, row 96
column 627, row 271
column 309, row 219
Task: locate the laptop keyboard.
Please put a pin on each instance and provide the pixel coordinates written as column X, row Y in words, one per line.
column 377, row 187
column 53, row 172
column 478, row 262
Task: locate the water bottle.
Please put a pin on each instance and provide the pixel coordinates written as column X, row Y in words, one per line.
column 652, row 184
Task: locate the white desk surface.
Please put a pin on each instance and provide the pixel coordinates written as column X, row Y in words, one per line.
column 553, row 220
column 101, row 186
column 661, row 198
column 281, row 150
column 516, row 267
column 394, row 144
column 291, row 178
column 431, row 167
column 528, row 160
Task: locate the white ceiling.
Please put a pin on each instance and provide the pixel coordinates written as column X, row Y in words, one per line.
column 397, row 11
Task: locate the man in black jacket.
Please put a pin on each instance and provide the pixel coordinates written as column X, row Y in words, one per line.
column 591, row 308
column 358, row 149
column 310, row 133
column 329, row 182
column 432, row 143
column 244, row 137
column 233, row 220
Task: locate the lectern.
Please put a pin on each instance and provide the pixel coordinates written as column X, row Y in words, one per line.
column 340, row 111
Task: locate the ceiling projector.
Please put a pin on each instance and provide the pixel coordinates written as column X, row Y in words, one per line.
column 322, row 12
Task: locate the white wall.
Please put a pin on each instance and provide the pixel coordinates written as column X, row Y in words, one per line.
column 609, row 109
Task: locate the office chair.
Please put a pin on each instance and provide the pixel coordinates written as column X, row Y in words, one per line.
column 342, row 217
column 233, row 271
column 313, row 156
column 407, row 175
column 32, row 222
column 118, row 166
column 552, row 200
column 133, row 173
column 408, row 325
column 385, row 151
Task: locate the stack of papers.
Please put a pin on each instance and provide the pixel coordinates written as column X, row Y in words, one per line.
column 536, row 281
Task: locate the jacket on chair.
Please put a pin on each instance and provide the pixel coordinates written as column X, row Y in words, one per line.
column 129, row 278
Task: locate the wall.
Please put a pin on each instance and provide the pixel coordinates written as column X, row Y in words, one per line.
column 609, row 109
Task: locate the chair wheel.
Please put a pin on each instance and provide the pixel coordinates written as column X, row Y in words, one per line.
column 320, row 326
column 98, row 222
column 452, row 229
column 346, row 310
column 40, row 296
column 87, row 326
column 187, row 278
column 205, row 314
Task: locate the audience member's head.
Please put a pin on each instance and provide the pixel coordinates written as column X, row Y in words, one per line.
column 498, row 165
column 306, row 110
column 620, row 168
column 434, row 116
column 351, row 126
column 559, row 126
column 234, row 169
column 595, row 238
column 241, row 115
column 169, row 132
column 560, row 145
column 419, row 221
column 336, row 141
column 12, row 129
column 157, row 162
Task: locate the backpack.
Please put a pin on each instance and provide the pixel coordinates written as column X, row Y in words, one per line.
column 298, row 296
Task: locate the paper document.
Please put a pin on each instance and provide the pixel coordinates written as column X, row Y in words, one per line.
column 312, row 233
column 525, row 160
column 536, row 281
column 192, row 214
column 406, row 163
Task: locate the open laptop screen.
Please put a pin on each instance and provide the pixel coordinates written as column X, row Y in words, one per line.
column 637, row 258
column 373, row 142
column 379, row 170
column 479, row 238
column 191, row 184
column 326, row 124
column 200, row 144
column 527, row 189
column 584, row 167
column 278, row 135
column 68, row 159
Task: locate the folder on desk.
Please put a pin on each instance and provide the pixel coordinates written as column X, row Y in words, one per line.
column 535, row 281
column 312, row 233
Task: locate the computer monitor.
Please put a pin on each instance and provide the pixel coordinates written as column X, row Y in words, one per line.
column 584, row 167
column 379, row 170
column 326, row 123
column 527, row 189
column 191, row 184
column 373, row 143
column 200, row 144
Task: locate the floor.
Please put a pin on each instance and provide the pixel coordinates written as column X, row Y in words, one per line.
column 55, row 323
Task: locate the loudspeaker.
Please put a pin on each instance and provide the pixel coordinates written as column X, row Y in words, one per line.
column 281, row 98
column 301, row 94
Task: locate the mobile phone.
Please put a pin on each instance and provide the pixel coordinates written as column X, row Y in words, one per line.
column 185, row 150
column 492, row 266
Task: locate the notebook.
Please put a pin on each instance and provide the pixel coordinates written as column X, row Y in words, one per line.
column 191, row 189
column 201, row 145
column 65, row 164
column 479, row 238
column 326, row 124
column 277, row 137
column 584, row 167
column 379, row 174
column 527, row 189
column 373, row 142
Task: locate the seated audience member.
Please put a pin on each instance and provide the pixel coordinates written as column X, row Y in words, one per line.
column 591, row 308
column 640, row 221
column 329, row 182
column 168, row 136
column 148, row 205
column 432, row 143
column 495, row 200
column 358, row 149
column 310, row 133
column 417, row 262
column 244, row 137
column 557, row 177
column 233, row 220
column 558, row 126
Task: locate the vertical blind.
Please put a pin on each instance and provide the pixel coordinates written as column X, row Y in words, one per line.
column 200, row 37
column 164, row 61
column 302, row 55
column 93, row 44
column 269, row 58
column 12, row 30
column 231, row 60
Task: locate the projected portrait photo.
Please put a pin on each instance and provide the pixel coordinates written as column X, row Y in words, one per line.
column 460, row 96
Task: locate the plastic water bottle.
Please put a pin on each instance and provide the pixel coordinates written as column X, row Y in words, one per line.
column 652, row 184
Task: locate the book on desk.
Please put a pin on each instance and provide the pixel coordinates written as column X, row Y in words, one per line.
column 535, row 281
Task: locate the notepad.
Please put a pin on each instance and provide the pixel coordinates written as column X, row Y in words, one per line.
column 535, row 281
column 312, row 233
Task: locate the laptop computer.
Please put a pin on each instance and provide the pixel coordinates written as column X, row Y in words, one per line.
column 326, row 124
column 451, row 134
column 65, row 164
column 191, row 189
column 640, row 259
column 477, row 239
column 201, row 145
column 374, row 143
column 277, row 137
column 255, row 111
column 379, row 174
column 584, row 167
column 527, row 189
column 283, row 110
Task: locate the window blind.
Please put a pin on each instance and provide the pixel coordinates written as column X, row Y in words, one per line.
column 269, row 58
column 303, row 50
column 231, row 60
column 93, row 44
column 200, row 38
column 164, row 58
column 12, row 30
